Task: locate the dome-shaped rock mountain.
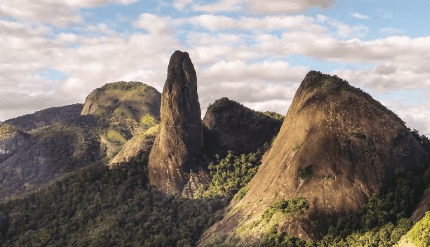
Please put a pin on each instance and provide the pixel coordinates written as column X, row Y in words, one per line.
column 123, row 110
column 335, row 149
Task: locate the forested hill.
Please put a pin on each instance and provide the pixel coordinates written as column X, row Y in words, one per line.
column 99, row 206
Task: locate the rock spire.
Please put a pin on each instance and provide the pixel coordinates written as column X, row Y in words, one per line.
column 173, row 159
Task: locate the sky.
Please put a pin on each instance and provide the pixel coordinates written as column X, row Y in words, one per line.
column 55, row 52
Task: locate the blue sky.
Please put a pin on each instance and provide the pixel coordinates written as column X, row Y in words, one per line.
column 55, row 52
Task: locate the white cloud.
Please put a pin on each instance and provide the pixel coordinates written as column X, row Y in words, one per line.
column 266, row 71
column 344, row 30
column 264, row 7
column 221, row 5
column 390, row 31
column 254, row 24
column 282, row 6
column 154, row 24
column 416, row 116
column 359, row 16
column 248, row 65
column 278, row 106
column 55, row 12
column 214, row 22
column 26, row 52
column 257, row 95
column 181, row 4
column 388, row 80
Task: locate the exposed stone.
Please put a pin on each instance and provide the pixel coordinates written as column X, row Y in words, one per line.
column 134, row 146
column 180, row 138
column 351, row 143
column 123, row 110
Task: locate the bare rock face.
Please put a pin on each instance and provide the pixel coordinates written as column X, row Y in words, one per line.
column 179, row 140
column 134, row 146
column 336, row 147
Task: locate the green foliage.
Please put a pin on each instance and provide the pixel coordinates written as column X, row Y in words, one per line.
column 273, row 115
column 382, row 220
column 148, row 120
column 222, row 101
column 152, row 131
column 329, row 177
column 274, row 238
column 7, row 129
column 291, row 207
column 233, row 172
column 241, row 193
column 305, row 172
column 98, row 206
column 296, row 148
column 420, row 233
column 114, row 136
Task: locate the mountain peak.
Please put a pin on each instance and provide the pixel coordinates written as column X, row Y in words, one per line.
column 179, row 141
column 336, row 147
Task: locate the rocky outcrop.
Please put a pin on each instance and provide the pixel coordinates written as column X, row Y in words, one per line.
column 336, row 148
column 232, row 126
column 122, row 110
column 175, row 152
column 134, row 146
column 40, row 147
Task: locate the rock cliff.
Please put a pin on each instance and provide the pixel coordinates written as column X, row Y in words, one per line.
column 336, row 147
column 176, row 151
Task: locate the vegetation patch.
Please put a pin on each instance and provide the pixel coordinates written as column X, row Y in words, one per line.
column 152, row 131
column 383, row 220
column 291, row 207
column 420, row 233
column 233, row 172
column 121, row 113
column 329, row 177
column 241, row 193
column 115, row 136
column 273, row 115
column 273, row 237
column 305, row 172
column 296, row 148
column 99, row 206
column 148, row 120
column 6, row 129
